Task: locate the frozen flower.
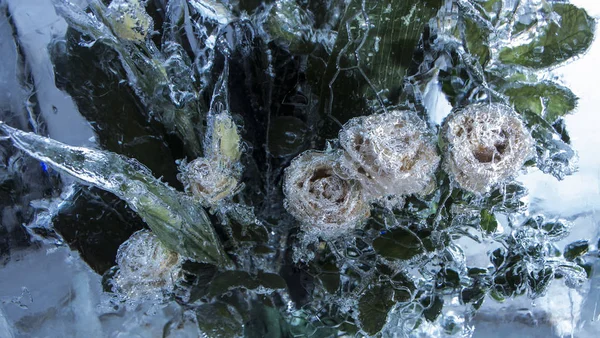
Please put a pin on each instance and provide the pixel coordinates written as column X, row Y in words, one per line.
column 216, row 176
column 146, row 268
column 486, row 144
column 390, row 154
column 208, row 179
column 129, row 19
column 324, row 202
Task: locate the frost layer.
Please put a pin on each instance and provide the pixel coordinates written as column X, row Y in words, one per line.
column 325, row 203
column 486, row 144
column 146, row 268
column 390, row 154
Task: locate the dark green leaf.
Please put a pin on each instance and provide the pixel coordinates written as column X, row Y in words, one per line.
column 374, row 48
column 476, row 272
column 231, row 279
column 507, row 199
column 403, row 286
column 270, row 280
column 472, row 295
column 265, row 322
column 488, row 222
column 330, row 276
column 561, row 128
column 497, row 257
column 433, row 309
column 546, row 99
column 374, row 306
column 476, row 39
column 555, row 157
column 557, row 41
column 588, row 267
column 228, row 280
column 448, row 278
column 398, row 244
column 540, row 280
column 557, row 230
column 576, row 249
column 219, row 320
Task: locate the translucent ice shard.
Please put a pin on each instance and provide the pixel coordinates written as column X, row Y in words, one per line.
column 180, row 222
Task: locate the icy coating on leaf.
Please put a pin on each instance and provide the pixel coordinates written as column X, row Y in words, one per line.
column 147, row 270
column 390, row 154
column 129, row 19
column 486, row 144
column 181, row 224
column 324, row 202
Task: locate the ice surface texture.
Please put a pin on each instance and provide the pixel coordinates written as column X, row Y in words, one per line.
column 388, row 226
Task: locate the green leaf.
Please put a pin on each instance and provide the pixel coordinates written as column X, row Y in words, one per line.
column 447, row 279
column 555, row 42
column 159, row 78
column 476, row 40
column 234, row 279
column 403, row 286
column 576, row 249
column 498, row 257
column 374, row 306
column 219, row 320
column 507, row 199
column 555, row 157
column 398, row 244
column 474, row 295
column 540, row 280
column 373, row 49
column 488, row 222
column 557, row 230
column 546, row 99
column 266, row 322
column 433, row 307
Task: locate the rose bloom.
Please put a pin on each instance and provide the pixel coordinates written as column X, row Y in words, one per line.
column 390, row 154
column 146, row 268
column 486, row 144
column 324, row 202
